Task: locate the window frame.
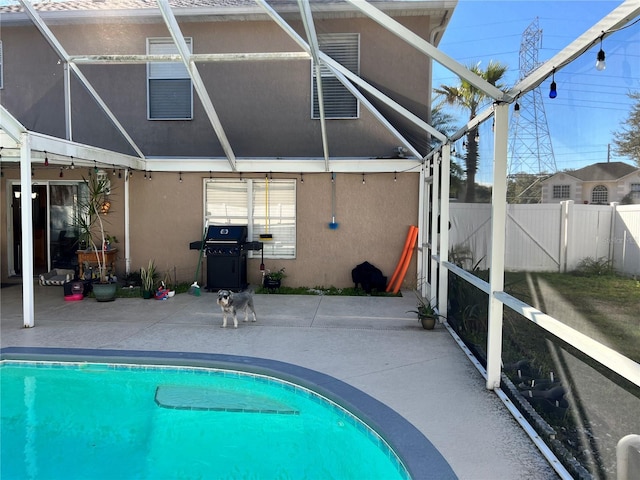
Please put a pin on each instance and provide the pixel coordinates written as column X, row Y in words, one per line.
column 172, row 72
column 333, row 91
column 248, row 198
column 597, row 193
column 561, row 191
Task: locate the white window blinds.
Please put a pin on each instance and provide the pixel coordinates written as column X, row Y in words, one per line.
column 265, row 206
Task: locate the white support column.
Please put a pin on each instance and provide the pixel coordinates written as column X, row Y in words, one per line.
column 27, row 230
column 565, row 227
column 443, row 227
column 421, row 252
column 433, row 223
column 498, row 236
column 127, row 243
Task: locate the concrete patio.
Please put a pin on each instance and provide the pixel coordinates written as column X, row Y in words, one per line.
column 370, row 343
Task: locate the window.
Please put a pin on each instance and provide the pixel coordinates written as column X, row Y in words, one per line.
column 338, row 101
column 264, row 206
column 635, row 191
column 600, row 195
column 561, row 191
column 169, row 92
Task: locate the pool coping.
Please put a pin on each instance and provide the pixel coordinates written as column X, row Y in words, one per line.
column 420, row 457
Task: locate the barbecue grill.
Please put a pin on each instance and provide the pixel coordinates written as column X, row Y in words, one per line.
column 226, row 247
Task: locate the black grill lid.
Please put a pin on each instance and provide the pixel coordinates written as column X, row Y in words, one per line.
column 227, row 234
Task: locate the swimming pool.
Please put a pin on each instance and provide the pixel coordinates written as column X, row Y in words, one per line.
column 196, row 421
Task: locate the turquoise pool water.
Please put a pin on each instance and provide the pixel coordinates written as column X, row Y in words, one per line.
column 105, row 421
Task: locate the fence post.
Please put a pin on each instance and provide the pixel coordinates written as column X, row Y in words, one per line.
column 612, row 232
column 566, row 218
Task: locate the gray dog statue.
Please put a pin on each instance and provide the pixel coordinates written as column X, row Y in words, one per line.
column 231, row 302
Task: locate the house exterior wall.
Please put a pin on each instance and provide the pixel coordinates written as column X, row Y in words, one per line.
column 265, row 109
column 264, row 106
column 167, row 215
column 580, row 191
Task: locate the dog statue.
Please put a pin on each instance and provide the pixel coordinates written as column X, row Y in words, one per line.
column 231, row 302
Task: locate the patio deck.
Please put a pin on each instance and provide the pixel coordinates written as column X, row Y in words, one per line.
column 369, row 343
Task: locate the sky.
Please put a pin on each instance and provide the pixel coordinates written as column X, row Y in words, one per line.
column 590, row 105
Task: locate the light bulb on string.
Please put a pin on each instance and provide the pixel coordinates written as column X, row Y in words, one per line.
column 600, row 58
column 553, row 91
column 46, row 160
column 61, row 173
column 72, row 164
column 180, row 177
column 363, row 182
column 516, row 109
column 301, row 178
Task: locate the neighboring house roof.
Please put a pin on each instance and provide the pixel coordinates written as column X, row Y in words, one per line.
column 604, row 171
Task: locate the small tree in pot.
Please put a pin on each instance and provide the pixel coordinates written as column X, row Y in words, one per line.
column 92, row 225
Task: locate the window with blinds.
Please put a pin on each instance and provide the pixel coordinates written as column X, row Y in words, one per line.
column 264, row 206
column 344, row 48
column 169, row 92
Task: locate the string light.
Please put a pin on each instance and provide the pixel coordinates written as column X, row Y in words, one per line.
column 145, row 174
column 553, row 92
column 180, row 177
column 333, row 177
column 120, row 173
column 395, row 176
column 149, row 176
column 114, row 171
column 46, row 160
column 363, row 182
column 301, row 177
column 95, row 167
column 72, row 164
column 600, row 62
column 516, row 109
column 61, row 173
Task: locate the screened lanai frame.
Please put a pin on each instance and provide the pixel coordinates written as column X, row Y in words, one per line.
column 25, row 146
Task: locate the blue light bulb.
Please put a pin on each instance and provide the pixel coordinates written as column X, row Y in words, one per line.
column 552, row 92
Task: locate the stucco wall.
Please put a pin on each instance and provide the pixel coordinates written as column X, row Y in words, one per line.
column 264, row 106
column 373, row 221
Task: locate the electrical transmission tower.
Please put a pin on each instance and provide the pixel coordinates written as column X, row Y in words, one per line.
column 531, row 151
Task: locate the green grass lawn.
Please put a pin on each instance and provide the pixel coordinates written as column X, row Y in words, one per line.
column 605, row 307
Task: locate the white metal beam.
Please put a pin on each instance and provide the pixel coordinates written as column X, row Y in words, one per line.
column 11, row 125
column 498, row 241
column 307, row 21
column 443, row 227
column 198, row 83
column 61, row 52
column 196, row 57
column 425, row 47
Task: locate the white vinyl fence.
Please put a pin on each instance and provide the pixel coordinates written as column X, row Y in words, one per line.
column 551, row 236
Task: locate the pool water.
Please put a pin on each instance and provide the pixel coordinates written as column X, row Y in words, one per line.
column 103, row 421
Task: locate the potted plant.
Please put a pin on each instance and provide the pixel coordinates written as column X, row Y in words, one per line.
column 92, row 232
column 273, row 280
column 147, row 278
column 427, row 314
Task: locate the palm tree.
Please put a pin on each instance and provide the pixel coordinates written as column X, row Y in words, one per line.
column 468, row 97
